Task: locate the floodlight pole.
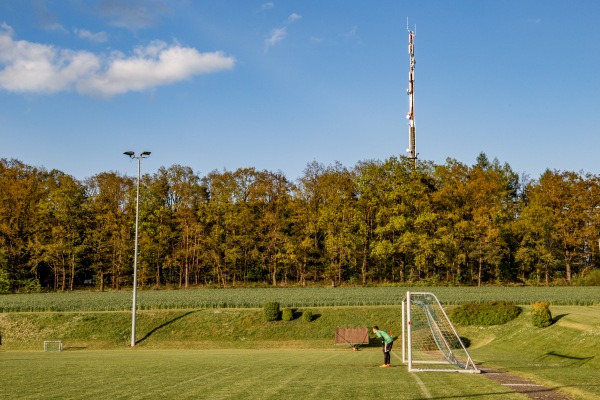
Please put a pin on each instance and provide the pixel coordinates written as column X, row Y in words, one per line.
column 132, row 155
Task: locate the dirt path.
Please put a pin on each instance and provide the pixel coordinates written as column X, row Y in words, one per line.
column 522, row 385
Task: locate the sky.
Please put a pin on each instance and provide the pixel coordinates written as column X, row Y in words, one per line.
column 275, row 85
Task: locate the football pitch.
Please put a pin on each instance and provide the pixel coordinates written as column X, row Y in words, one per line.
column 230, row 374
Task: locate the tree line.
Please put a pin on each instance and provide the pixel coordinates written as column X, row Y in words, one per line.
column 378, row 222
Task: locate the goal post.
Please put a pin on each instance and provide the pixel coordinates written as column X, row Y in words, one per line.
column 52, row 345
column 429, row 340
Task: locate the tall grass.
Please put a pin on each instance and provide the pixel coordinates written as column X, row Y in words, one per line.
column 288, row 297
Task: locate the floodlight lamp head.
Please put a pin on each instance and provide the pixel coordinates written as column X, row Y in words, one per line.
column 129, row 153
column 145, row 154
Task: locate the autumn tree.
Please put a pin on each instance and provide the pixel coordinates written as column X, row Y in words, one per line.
column 492, row 194
column 21, row 190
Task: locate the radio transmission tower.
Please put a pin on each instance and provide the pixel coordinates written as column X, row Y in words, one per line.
column 412, row 145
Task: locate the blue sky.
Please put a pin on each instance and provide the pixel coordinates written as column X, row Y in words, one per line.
column 224, row 84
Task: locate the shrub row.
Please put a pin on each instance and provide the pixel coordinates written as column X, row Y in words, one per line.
column 271, row 313
column 485, row 314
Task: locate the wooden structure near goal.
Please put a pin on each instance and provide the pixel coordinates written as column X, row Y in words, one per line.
column 354, row 337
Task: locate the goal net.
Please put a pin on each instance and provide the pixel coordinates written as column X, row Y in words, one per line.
column 429, row 340
column 52, row 345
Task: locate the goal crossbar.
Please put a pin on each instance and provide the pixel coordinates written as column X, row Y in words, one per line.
column 429, row 338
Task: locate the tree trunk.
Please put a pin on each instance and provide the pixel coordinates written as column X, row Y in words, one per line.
column 158, row 275
column 568, row 265
column 187, row 257
column 101, row 281
column 72, row 272
column 63, row 283
column 479, row 271
column 363, row 269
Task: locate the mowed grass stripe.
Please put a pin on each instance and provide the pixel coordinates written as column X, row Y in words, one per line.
column 296, row 371
column 221, row 374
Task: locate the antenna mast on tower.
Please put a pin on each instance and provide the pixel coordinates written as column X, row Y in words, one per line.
column 412, row 145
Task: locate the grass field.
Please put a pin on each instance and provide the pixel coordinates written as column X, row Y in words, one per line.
column 229, row 374
column 565, row 354
column 233, row 353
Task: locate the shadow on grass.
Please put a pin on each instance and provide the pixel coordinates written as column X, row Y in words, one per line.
column 150, row 333
column 576, row 361
column 544, row 393
column 74, row 348
column 558, row 317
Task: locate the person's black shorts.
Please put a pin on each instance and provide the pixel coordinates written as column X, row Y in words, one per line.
column 387, row 347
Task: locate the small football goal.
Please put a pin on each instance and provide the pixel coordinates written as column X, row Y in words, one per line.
column 52, row 345
column 429, row 340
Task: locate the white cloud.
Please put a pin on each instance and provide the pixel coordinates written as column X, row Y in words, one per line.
column 351, row 33
column 56, row 27
column 99, row 37
column 267, row 6
column 8, row 30
column 151, row 66
column 27, row 67
column 32, row 67
column 276, row 36
column 352, row 36
column 294, row 17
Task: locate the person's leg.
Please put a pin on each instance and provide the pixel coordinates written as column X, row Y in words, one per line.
column 387, row 349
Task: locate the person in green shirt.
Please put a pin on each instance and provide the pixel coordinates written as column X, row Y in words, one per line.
column 387, row 342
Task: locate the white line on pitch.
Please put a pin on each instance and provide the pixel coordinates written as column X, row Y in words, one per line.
column 419, row 381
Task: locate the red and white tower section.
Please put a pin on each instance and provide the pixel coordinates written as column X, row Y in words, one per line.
column 412, row 145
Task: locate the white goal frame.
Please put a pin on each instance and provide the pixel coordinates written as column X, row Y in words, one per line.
column 429, row 341
column 52, row 346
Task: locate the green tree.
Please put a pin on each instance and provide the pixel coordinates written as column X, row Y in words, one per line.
column 368, row 183
column 63, row 218
column 338, row 219
column 396, row 239
column 157, row 232
column 560, row 221
column 308, row 198
column 185, row 195
column 109, row 234
column 270, row 198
